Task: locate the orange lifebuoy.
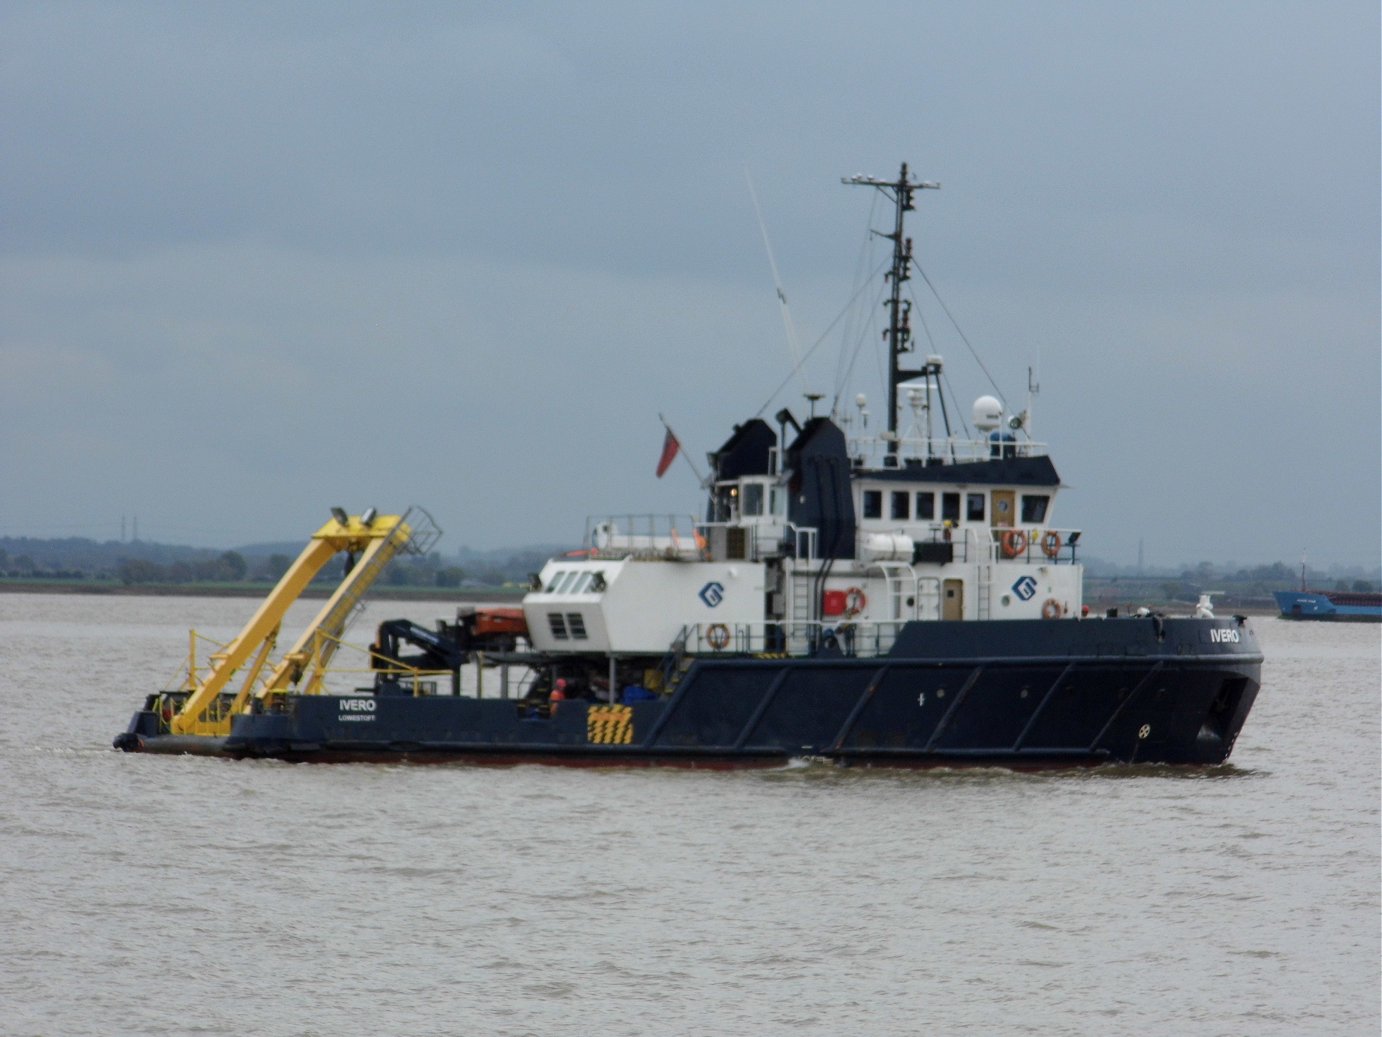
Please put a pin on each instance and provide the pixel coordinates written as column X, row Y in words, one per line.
column 855, row 601
column 1052, row 609
column 1050, row 543
column 1014, row 543
column 717, row 636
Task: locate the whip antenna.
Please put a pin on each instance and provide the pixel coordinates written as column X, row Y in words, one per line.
column 777, row 280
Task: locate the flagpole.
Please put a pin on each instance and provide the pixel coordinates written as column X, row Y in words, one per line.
column 682, row 450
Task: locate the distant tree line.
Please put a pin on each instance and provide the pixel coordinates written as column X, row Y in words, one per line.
column 153, row 564
column 145, row 564
column 1251, row 585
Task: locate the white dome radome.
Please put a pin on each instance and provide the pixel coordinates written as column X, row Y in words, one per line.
column 987, row 414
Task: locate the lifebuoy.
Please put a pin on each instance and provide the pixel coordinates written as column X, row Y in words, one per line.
column 1050, row 543
column 1014, row 543
column 1052, row 609
column 855, row 601
column 717, row 636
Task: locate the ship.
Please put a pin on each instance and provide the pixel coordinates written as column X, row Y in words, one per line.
column 896, row 597
column 1330, row 606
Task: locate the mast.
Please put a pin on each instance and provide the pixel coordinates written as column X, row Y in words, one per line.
column 899, row 333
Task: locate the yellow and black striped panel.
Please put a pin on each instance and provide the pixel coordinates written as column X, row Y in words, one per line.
column 609, row 725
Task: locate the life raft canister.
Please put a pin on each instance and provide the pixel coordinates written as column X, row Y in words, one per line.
column 855, row 601
column 1052, row 609
column 717, row 636
column 1014, row 543
column 1051, row 543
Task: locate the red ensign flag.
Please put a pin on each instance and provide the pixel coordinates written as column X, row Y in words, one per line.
column 670, row 446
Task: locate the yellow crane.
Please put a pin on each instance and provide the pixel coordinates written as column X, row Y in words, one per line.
column 369, row 540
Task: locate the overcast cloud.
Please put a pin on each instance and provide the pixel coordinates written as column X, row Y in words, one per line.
column 260, row 259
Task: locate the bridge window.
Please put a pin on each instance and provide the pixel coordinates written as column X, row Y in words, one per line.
column 900, row 501
column 950, row 507
column 926, row 506
column 873, row 504
column 1034, row 507
column 555, row 582
column 753, row 498
column 974, row 507
column 558, row 625
column 576, row 625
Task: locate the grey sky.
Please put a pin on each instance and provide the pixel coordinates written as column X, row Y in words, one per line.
column 260, row 259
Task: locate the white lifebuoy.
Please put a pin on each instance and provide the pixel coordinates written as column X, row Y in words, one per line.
column 855, row 601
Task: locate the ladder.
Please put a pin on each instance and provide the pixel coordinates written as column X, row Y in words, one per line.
column 802, row 612
column 984, row 606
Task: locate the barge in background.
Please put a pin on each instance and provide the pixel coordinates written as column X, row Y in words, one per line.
column 900, row 599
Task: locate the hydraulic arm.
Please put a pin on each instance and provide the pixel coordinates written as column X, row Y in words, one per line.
column 371, row 540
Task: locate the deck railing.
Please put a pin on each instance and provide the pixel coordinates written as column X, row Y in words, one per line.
column 799, row 638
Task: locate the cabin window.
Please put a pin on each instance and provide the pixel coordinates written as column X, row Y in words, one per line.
column 576, row 624
column 774, row 502
column 950, row 507
column 753, row 498
column 926, row 506
column 558, row 625
column 974, row 507
column 1034, row 507
column 900, row 500
column 873, row 504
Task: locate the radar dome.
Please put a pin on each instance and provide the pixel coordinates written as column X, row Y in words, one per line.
column 988, row 413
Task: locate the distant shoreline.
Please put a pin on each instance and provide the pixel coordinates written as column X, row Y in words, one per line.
column 378, row 593
column 467, row 596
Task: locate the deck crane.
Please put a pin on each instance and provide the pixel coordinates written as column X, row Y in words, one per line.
column 369, row 540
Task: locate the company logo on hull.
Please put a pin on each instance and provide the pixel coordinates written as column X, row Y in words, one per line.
column 1025, row 588
column 712, row 593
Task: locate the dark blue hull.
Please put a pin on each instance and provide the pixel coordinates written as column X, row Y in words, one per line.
column 997, row 694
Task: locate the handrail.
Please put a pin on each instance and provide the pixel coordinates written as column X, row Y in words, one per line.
column 1046, row 545
column 791, row 638
column 869, row 451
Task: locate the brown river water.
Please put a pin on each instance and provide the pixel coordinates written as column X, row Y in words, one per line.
column 177, row 895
